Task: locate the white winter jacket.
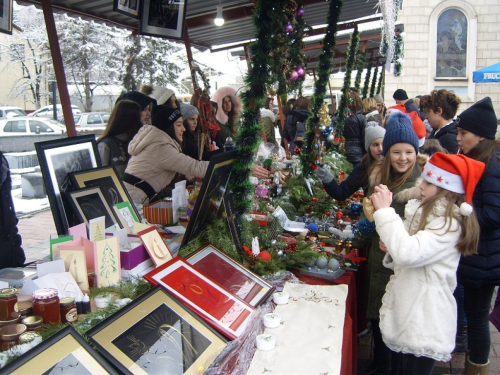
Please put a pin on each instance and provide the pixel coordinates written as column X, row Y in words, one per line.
column 419, row 313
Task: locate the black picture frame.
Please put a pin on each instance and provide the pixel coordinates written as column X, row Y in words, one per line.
column 44, row 357
column 57, row 158
column 127, row 7
column 217, row 175
column 6, row 10
column 90, row 203
column 110, row 183
column 163, row 18
column 148, row 317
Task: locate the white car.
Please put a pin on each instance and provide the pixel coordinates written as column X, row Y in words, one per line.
column 29, row 125
column 9, row 112
column 48, row 111
column 90, row 119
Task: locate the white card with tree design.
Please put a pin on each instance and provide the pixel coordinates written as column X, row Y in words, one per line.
column 97, row 229
column 107, row 262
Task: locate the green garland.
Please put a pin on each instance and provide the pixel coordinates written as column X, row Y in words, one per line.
column 281, row 67
column 308, row 153
column 399, row 54
column 258, row 77
column 380, row 80
column 374, row 82
column 360, row 66
column 296, row 54
column 367, row 78
column 343, row 109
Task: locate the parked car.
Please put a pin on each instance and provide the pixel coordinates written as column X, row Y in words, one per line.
column 30, row 125
column 48, row 111
column 90, row 119
column 9, row 112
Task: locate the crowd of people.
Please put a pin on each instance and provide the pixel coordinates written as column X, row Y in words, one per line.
column 432, row 186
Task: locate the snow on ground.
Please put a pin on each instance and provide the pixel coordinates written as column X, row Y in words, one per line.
column 26, row 206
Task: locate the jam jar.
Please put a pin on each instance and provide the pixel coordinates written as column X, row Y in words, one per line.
column 8, row 300
column 9, row 335
column 68, row 310
column 24, row 308
column 32, row 323
column 46, row 305
column 14, row 320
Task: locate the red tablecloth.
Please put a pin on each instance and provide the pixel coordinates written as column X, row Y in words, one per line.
column 349, row 344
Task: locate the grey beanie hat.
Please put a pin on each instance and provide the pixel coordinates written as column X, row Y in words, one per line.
column 373, row 131
column 378, row 98
column 188, row 110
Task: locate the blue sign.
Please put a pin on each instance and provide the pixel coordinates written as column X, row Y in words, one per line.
column 489, row 74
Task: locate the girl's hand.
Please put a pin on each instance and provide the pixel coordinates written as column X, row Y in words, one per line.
column 259, row 172
column 382, row 246
column 382, row 197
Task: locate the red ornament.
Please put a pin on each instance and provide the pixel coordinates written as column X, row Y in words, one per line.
column 247, row 250
column 296, row 150
column 327, row 213
column 264, row 255
column 314, row 199
column 339, row 215
column 347, row 219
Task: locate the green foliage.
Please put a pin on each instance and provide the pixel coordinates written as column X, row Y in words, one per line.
column 296, row 55
column 374, row 82
column 398, row 55
column 360, row 66
column 126, row 288
column 380, row 80
column 367, row 78
column 323, row 76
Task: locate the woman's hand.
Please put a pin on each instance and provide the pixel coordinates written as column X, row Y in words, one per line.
column 259, row 172
column 382, row 197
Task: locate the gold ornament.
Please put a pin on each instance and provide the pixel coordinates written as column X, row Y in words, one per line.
column 323, row 115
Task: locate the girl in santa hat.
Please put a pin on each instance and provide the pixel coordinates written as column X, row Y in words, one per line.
column 418, row 313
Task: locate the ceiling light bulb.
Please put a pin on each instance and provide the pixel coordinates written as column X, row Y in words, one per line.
column 219, row 20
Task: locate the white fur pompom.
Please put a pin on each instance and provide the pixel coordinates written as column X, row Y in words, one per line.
column 465, row 209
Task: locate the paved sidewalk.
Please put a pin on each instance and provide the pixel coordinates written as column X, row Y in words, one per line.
column 36, row 229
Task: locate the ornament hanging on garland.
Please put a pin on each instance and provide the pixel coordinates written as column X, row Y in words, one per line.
column 323, row 77
column 374, row 82
column 298, row 59
column 367, row 78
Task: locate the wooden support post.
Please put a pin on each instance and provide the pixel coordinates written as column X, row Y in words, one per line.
column 55, row 51
column 247, row 57
column 282, row 122
column 187, row 44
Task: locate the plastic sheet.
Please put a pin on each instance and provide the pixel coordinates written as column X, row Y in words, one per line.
column 236, row 358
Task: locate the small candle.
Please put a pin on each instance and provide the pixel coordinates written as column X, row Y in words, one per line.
column 272, row 320
column 265, row 342
column 280, row 298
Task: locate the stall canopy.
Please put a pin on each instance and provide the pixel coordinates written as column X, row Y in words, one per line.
column 488, row 74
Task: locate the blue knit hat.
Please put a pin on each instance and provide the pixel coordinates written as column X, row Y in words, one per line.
column 399, row 130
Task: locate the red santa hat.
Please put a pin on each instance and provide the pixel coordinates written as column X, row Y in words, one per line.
column 456, row 173
column 394, row 108
column 418, row 127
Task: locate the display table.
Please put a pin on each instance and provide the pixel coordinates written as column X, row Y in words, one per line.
column 349, row 344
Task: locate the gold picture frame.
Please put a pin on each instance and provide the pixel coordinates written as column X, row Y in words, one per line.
column 141, row 334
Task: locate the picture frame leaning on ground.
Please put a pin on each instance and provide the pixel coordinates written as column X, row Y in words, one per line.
column 127, row 7
column 163, row 18
column 6, row 16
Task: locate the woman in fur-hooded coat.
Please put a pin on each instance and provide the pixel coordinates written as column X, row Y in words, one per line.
column 229, row 108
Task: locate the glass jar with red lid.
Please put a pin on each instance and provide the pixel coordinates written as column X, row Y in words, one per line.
column 8, row 300
column 46, row 305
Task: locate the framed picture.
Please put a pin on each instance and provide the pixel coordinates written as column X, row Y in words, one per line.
column 66, row 352
column 230, row 274
column 219, row 307
column 107, row 179
column 213, row 187
column 156, row 334
column 127, row 7
column 90, row 204
column 155, row 246
column 57, row 158
column 6, row 16
column 163, row 18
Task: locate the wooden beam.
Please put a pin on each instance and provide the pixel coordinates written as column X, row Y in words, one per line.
column 187, row 44
column 55, row 51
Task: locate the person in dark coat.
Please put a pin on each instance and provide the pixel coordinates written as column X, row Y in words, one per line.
column 354, row 130
column 401, row 97
column 11, row 252
column 440, row 108
column 358, row 178
column 300, row 113
column 480, row 273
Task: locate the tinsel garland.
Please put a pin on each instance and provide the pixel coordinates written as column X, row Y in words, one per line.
column 374, row 82
column 367, row 78
column 308, row 153
column 266, row 24
column 360, row 66
column 388, row 10
column 380, row 80
column 342, row 109
column 398, row 54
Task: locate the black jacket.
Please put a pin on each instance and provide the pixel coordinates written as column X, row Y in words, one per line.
column 447, row 137
column 354, row 134
column 292, row 118
column 11, row 252
column 358, row 178
column 484, row 268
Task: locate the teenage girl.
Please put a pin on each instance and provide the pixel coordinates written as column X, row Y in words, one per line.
column 418, row 313
column 399, row 170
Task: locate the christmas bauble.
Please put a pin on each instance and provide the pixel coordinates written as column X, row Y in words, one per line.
column 330, row 138
column 313, row 227
column 288, row 28
column 300, row 72
column 264, row 255
column 321, row 262
column 339, row 215
column 280, row 253
column 293, row 76
column 333, row 264
column 300, row 12
column 331, row 230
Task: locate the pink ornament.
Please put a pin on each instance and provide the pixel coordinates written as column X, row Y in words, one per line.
column 288, row 28
column 300, row 12
column 293, row 76
column 300, row 72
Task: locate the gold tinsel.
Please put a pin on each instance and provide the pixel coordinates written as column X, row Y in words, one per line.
column 323, row 115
